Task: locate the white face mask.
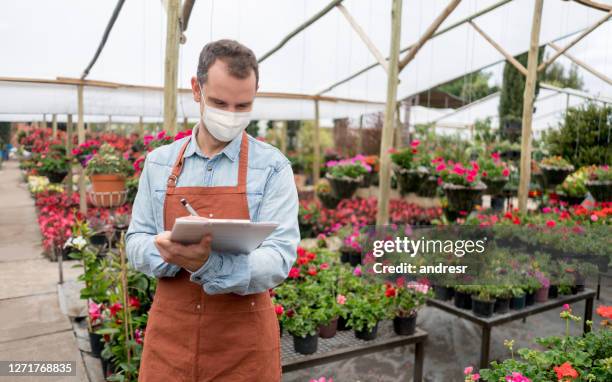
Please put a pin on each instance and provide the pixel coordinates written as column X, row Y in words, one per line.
column 224, row 125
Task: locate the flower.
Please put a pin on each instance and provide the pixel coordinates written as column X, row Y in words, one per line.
column 278, row 309
column 322, row 379
column 551, row 223
column 341, row 299
column 506, row 172
column 294, row 273
column 138, row 336
column 565, row 372
column 415, row 143
column 468, row 370
column 116, row 307
column 546, row 210
column 134, row 302
column 566, row 307
column 390, row 292
column 312, row 271
column 605, row 311
column 95, row 312
column 324, row 266
column 517, row 377
column 357, row 271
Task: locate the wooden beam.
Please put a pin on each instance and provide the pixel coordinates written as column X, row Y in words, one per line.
column 185, row 123
column 574, row 41
column 382, row 215
column 501, row 50
column 440, row 32
column 283, row 136
column 364, row 37
column 360, row 136
column 80, row 121
column 54, row 125
column 595, row 5
column 428, row 33
column 300, row 28
column 186, row 14
column 583, row 64
column 528, row 98
column 141, row 129
column 171, row 66
column 398, row 127
column 316, row 160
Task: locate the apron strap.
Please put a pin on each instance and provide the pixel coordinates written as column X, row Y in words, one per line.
column 242, row 164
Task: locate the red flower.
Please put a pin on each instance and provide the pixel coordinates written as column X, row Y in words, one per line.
column 301, row 251
column 551, row 223
column 311, row 256
column 605, row 311
column 390, row 292
column 134, row 302
column 565, row 372
column 312, row 271
column 302, row 260
column 294, row 273
column 116, row 307
column 324, row 266
column 279, row 309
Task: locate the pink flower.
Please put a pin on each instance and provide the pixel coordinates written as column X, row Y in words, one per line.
column 294, row 273
column 495, row 156
column 551, row 223
column 440, row 167
column 468, row 370
column 341, row 299
column 415, row 143
column 138, row 334
column 594, row 218
column 517, row 377
column 546, row 210
column 95, row 311
column 357, row 271
column 324, row 266
column 566, row 307
column 506, row 172
column 475, row 377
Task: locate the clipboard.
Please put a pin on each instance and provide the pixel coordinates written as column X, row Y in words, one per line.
column 228, row 235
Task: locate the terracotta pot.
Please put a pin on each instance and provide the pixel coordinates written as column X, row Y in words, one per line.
column 107, row 182
column 541, row 295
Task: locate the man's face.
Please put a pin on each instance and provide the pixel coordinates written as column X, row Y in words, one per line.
column 224, row 91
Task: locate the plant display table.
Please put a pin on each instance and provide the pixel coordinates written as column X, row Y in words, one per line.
column 489, row 323
column 344, row 345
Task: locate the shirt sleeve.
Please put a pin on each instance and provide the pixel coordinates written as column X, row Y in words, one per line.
column 142, row 253
column 268, row 265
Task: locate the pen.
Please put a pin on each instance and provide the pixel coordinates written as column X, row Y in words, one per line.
column 188, row 207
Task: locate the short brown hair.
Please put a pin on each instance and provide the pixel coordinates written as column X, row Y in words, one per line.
column 239, row 59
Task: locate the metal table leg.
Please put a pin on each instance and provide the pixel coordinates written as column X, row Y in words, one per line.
column 588, row 314
column 598, row 285
column 485, row 347
column 419, row 356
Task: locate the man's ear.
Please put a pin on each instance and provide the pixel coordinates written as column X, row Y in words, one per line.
column 195, row 89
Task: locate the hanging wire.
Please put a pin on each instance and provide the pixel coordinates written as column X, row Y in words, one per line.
column 212, row 12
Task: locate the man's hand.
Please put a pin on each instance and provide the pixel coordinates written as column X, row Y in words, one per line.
column 191, row 257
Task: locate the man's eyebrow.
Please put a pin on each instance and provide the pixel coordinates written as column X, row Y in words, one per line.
column 216, row 99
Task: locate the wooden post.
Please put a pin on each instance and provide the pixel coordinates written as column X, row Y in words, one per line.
column 528, row 97
column 81, row 139
column 382, row 215
column 316, row 158
column 171, row 66
column 54, row 125
column 360, row 136
column 398, row 127
column 69, row 136
column 44, row 121
column 108, row 123
column 185, row 123
column 283, row 136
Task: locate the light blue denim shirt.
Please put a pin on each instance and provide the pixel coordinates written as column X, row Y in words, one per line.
column 271, row 194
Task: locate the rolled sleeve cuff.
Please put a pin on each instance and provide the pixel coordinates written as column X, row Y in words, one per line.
column 207, row 272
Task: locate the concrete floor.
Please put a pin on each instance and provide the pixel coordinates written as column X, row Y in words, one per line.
column 32, row 327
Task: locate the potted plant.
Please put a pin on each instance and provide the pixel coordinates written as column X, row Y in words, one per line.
column 483, row 302
column 573, row 190
column 302, row 322
column 95, row 320
column 554, row 170
column 350, row 251
column 367, row 310
column 410, row 166
column 494, row 172
column 530, row 286
column 599, row 183
column 541, row 294
column 98, row 228
column 403, row 303
column 502, row 295
column 463, row 296
column 517, row 301
column 324, row 193
column 108, row 171
column 462, row 186
column 54, row 164
column 345, row 176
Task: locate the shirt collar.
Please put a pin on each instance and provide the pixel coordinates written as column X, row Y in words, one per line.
column 231, row 151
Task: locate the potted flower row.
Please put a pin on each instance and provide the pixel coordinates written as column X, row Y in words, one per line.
column 412, row 170
column 346, row 175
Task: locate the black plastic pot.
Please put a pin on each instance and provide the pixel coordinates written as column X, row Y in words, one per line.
column 328, row 200
column 343, row 323
column 429, row 187
column 56, row 177
column 343, row 188
column 345, row 254
column 553, row 176
column 572, row 200
column 461, row 199
column 463, row 300
column 530, row 299
column 97, row 345
column 404, row 326
column 483, row 308
column 410, row 180
column 497, row 203
column 600, row 190
column 494, row 186
column 355, row 258
column 518, row 303
column 305, row 345
column 502, row 305
column 367, row 334
column 443, row 293
column 553, row 291
column 98, row 239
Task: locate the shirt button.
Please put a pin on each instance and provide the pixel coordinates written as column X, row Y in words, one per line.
column 252, row 303
column 210, row 215
column 198, row 306
column 209, row 168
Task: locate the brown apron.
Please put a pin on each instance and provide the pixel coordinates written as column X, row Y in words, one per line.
column 192, row 336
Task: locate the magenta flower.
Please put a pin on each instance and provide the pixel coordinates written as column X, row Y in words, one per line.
column 357, row 271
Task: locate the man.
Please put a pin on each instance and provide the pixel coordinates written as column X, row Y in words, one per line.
column 212, row 318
